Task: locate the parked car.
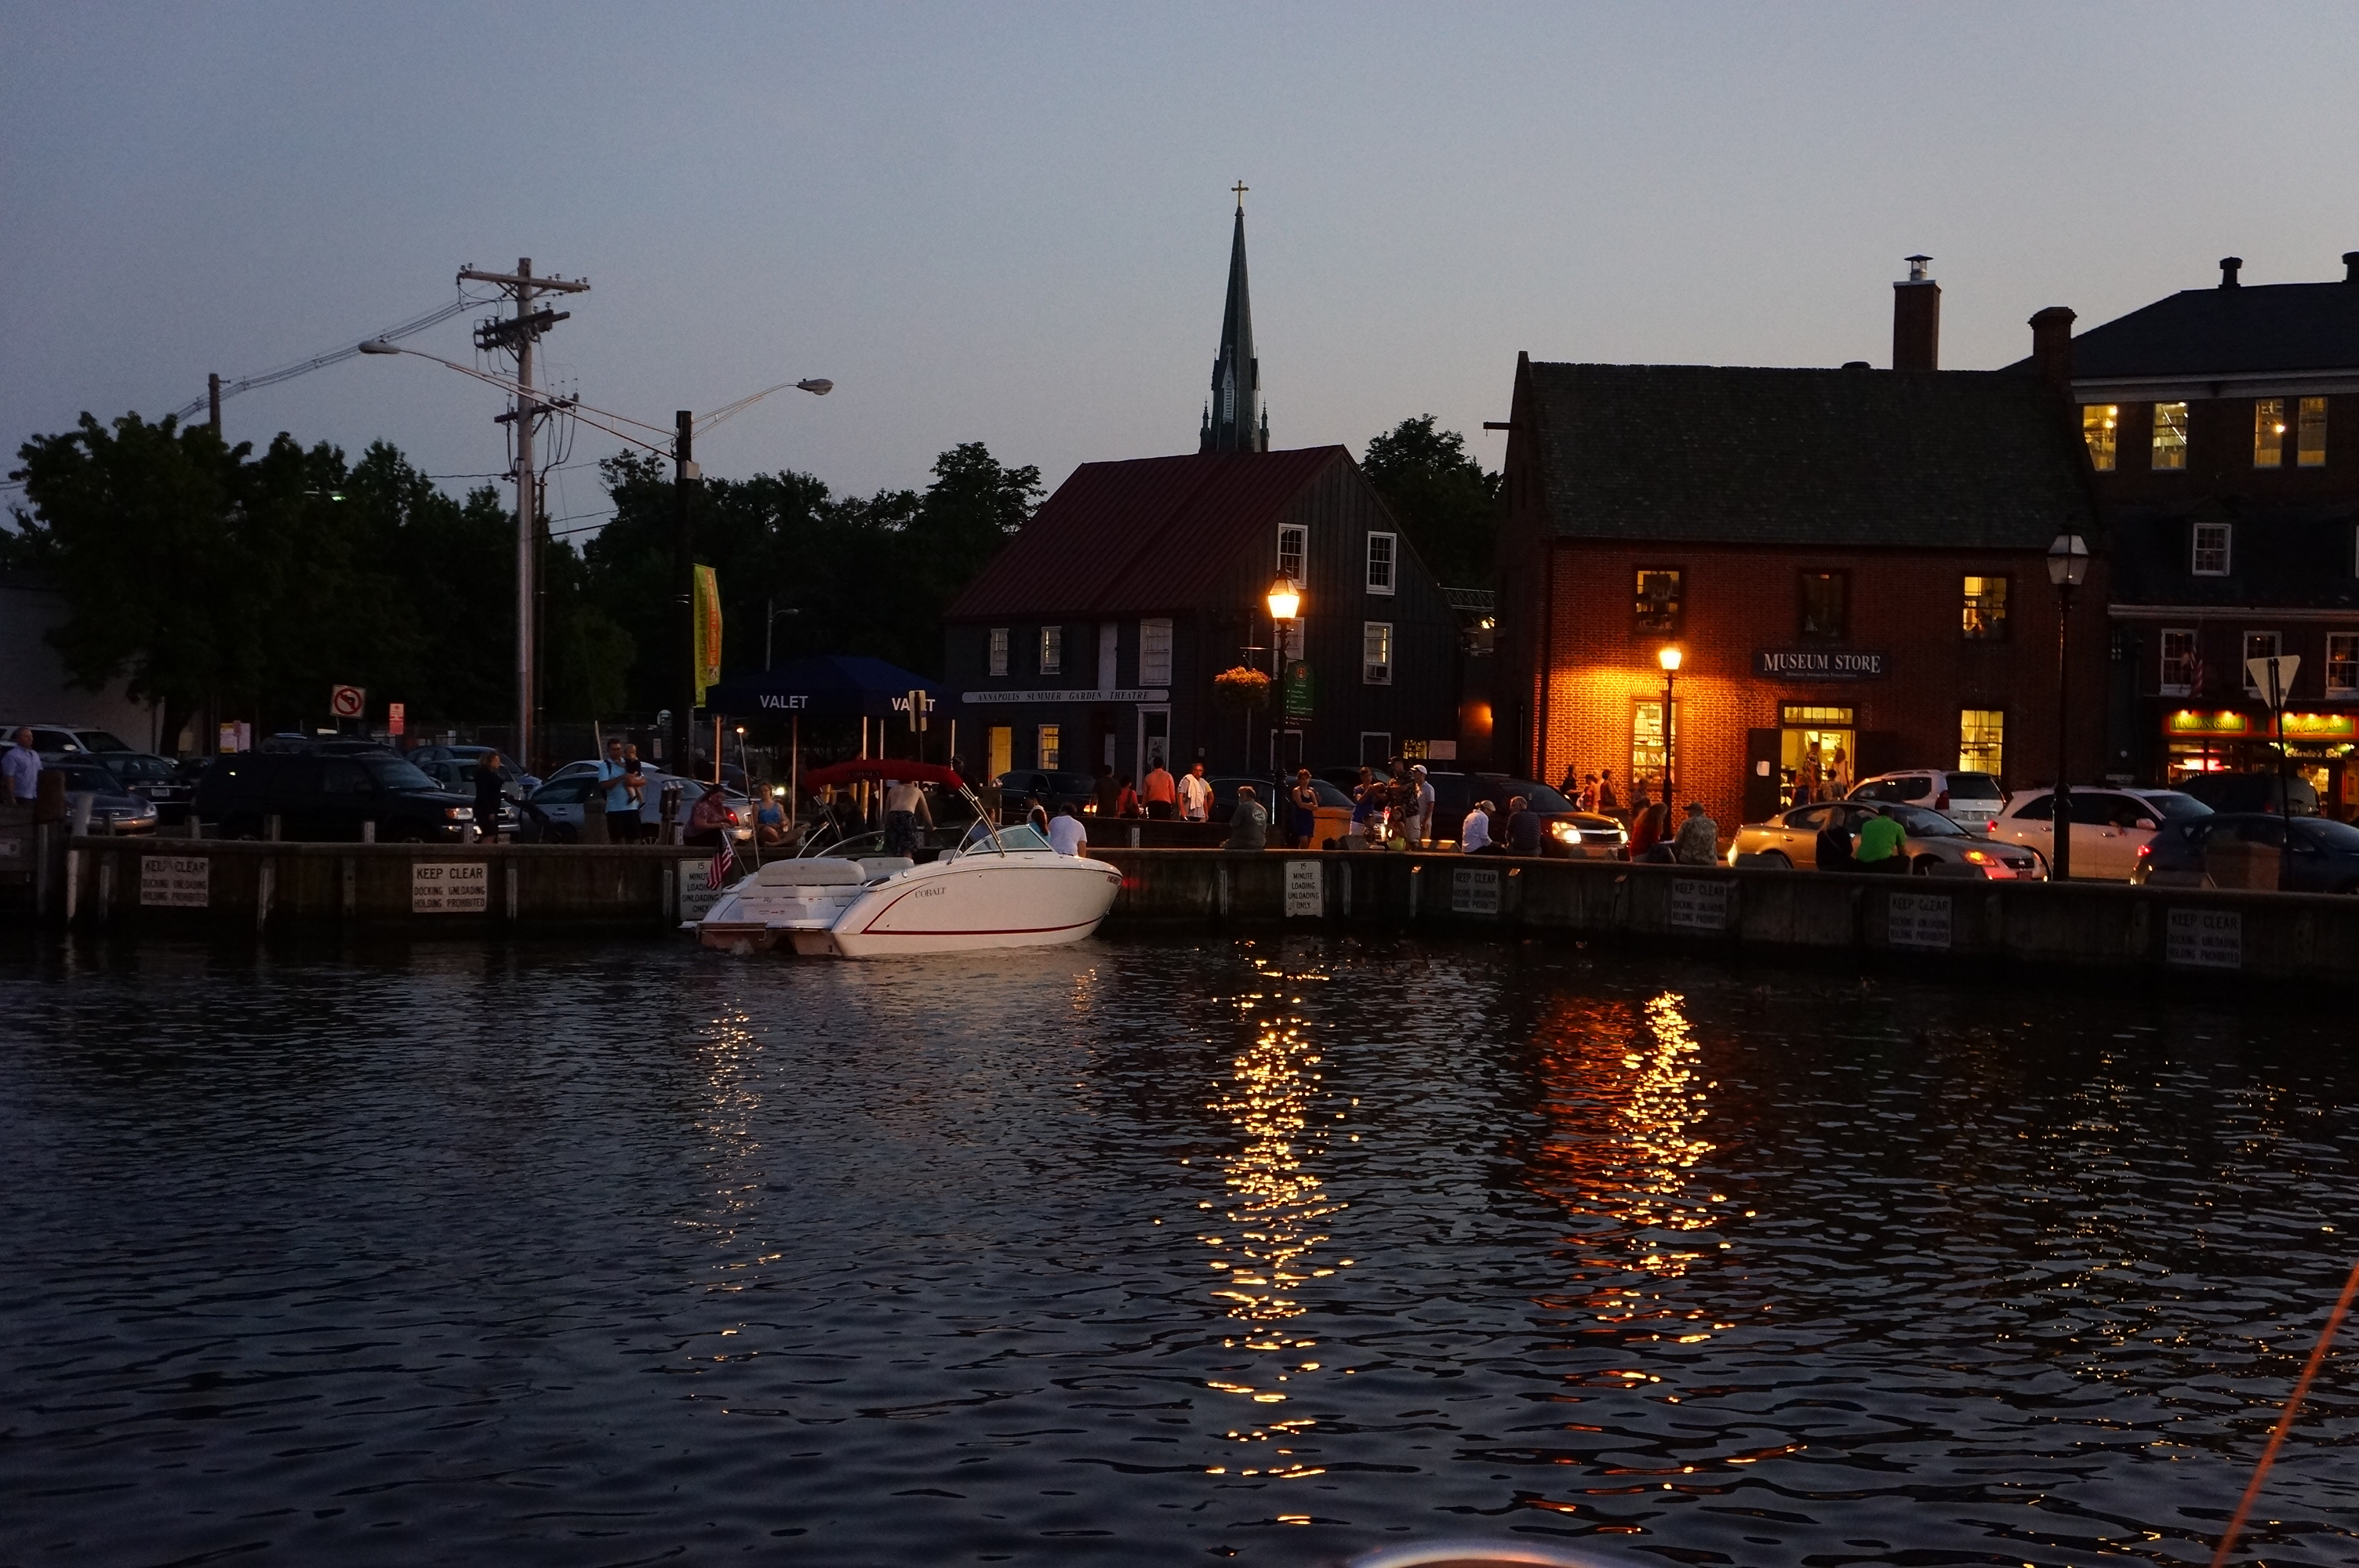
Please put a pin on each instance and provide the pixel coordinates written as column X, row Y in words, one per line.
column 2183, row 854
column 2108, row 826
column 112, row 808
column 1935, row 845
column 1567, row 831
column 1970, row 800
column 73, row 739
column 2252, row 792
column 1333, row 818
column 151, row 778
column 457, row 776
column 561, row 800
column 1053, row 788
column 329, row 798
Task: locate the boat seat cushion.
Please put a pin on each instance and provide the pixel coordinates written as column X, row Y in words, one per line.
column 877, row 867
column 818, row 872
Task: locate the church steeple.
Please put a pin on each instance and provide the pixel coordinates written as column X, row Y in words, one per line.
column 1229, row 425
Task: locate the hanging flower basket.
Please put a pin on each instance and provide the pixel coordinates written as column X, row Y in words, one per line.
column 1242, row 688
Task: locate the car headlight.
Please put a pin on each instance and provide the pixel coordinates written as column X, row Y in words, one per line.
column 459, row 813
column 1980, row 857
column 1566, row 832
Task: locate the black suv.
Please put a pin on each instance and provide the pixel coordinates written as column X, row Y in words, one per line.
column 317, row 799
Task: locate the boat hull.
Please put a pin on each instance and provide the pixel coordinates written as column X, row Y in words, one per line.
column 980, row 901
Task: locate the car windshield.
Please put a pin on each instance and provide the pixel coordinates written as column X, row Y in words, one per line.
column 565, row 792
column 1974, row 787
column 2175, row 807
column 2329, row 834
column 1541, row 798
column 140, row 767
column 89, row 781
column 1923, row 824
column 1020, row 837
column 392, row 772
column 99, row 740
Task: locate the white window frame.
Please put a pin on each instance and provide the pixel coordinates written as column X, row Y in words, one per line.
column 2276, row 641
column 1384, row 573
column 1378, row 655
column 2226, row 544
column 1293, row 552
column 2165, row 686
column 2349, row 644
column 1052, row 650
column 1155, row 651
column 998, row 654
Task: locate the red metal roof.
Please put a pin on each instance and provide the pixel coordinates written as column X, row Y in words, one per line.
column 1144, row 536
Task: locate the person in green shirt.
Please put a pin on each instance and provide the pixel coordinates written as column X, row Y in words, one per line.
column 1879, row 846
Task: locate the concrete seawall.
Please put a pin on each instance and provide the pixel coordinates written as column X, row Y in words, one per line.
column 167, row 884
column 2089, row 926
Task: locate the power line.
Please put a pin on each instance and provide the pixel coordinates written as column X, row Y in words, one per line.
column 410, row 328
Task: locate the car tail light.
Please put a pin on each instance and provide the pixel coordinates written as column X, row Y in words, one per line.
column 2144, row 849
column 1942, row 802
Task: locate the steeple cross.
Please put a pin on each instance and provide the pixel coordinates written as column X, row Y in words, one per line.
column 1241, row 187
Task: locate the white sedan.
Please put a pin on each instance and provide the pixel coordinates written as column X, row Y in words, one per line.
column 561, row 800
column 2110, row 825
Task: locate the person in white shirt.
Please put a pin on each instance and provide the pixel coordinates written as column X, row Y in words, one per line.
column 1195, row 795
column 1425, row 823
column 1066, row 834
column 1474, row 834
column 20, row 770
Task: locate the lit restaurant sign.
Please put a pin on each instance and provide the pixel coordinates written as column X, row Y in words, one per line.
column 1071, row 694
column 1817, row 664
column 2297, row 726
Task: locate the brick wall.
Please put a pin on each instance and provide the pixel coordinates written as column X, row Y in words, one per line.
column 1905, row 604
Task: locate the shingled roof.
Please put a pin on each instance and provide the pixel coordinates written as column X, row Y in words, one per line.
column 1827, row 459
column 2251, row 331
column 1149, row 536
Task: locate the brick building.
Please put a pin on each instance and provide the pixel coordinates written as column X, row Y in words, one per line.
column 2223, row 427
column 1852, row 563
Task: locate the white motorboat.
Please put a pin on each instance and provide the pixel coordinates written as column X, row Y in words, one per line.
column 1003, row 887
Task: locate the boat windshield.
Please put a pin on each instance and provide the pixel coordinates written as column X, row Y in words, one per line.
column 1015, row 839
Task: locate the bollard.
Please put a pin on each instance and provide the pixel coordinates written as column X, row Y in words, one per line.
column 593, row 820
column 196, row 827
column 270, row 828
column 368, row 832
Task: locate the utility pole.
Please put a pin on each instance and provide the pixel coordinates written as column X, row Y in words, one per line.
column 518, row 336
column 683, row 570
column 212, row 399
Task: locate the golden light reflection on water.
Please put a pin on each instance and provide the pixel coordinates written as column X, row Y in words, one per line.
column 1263, row 1247
column 1622, row 1146
column 728, row 1052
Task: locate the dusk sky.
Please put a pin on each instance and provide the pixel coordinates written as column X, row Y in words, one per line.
column 1011, row 224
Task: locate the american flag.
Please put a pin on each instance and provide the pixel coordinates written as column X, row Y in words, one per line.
column 724, row 859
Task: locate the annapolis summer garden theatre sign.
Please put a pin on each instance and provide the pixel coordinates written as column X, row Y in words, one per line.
column 1817, row 664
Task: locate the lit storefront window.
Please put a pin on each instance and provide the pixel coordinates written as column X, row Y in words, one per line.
column 1982, row 740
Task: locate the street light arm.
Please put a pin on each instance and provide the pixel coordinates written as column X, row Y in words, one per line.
column 514, row 389
column 817, row 388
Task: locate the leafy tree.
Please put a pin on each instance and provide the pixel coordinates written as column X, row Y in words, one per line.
column 1445, row 501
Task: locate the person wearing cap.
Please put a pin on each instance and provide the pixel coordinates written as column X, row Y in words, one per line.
column 1419, row 832
column 1698, row 840
column 1475, row 833
column 1249, row 823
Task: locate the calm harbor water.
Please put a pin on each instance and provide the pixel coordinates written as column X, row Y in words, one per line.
column 1153, row 1250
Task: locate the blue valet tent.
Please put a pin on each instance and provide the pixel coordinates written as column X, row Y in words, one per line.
column 829, row 685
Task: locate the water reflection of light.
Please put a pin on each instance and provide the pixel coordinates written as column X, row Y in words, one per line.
column 729, row 1052
column 1263, row 1249
column 1623, row 1108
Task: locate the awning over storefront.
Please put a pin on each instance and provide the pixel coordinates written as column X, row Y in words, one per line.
column 831, row 685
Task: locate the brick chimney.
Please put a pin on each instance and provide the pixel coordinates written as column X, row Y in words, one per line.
column 2052, row 346
column 1917, row 319
column 2351, row 267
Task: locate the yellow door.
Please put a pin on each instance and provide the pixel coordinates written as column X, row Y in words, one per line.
column 1003, row 751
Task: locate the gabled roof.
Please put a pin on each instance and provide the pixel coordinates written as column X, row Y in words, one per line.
column 1825, row 459
column 1149, row 536
column 2251, row 331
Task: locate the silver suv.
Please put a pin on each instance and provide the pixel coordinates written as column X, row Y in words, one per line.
column 1971, row 800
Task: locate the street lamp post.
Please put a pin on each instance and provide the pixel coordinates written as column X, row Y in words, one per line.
column 1285, row 598
column 1670, row 659
column 2068, row 567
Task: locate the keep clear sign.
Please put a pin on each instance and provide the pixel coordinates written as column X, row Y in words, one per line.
column 1698, row 904
column 450, row 887
column 1918, row 920
column 1306, row 889
column 175, row 881
column 2205, row 938
column 1473, row 890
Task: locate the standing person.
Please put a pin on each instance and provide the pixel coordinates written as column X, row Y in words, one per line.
column 1571, row 787
column 20, row 771
column 905, row 804
column 1587, row 799
column 1425, row 836
column 1109, row 792
column 1523, row 827
column 1475, row 833
column 1698, row 840
column 1066, row 834
column 616, row 774
column 1195, row 795
column 1367, row 798
column 1249, row 823
column 1400, row 801
column 1839, row 776
column 1303, row 825
column 1806, row 787
column 1647, row 828
column 488, row 799
column 1608, row 802
column 1162, row 791
column 643, row 830
column 1880, row 847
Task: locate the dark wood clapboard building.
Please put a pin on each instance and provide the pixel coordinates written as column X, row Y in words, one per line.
column 1850, row 563
column 2222, row 426
column 1093, row 638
